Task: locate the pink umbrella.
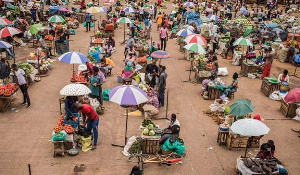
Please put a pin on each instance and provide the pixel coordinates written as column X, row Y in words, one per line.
column 4, row 21
column 110, row 1
column 293, row 96
column 63, row 9
column 9, row 31
column 195, row 38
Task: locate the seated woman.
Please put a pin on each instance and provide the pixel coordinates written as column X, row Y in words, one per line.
column 172, row 131
column 284, row 78
column 128, row 71
column 233, row 86
column 267, row 150
column 130, row 55
column 205, row 84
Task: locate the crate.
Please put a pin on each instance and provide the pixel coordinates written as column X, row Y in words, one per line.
column 59, row 148
column 246, row 68
column 213, row 93
column 268, row 88
column 151, row 144
column 222, row 137
column 288, row 109
column 236, row 142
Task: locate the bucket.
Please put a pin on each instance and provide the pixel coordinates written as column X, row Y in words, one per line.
column 120, row 79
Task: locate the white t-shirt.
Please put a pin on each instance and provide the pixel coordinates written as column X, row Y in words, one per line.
column 20, row 74
column 175, row 123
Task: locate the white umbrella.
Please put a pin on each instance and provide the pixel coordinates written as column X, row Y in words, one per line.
column 249, row 127
column 75, row 90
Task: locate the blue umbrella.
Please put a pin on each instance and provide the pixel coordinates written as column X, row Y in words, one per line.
column 160, row 54
column 244, row 11
column 5, row 45
column 213, row 17
column 277, row 30
column 273, row 24
column 73, row 58
column 184, row 32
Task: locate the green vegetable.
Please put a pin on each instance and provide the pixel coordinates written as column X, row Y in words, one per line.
column 151, row 133
column 146, row 131
column 136, row 147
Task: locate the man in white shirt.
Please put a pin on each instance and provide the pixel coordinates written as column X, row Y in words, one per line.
column 215, row 41
column 23, row 85
column 172, row 131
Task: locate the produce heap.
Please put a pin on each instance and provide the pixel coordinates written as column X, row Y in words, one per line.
column 149, row 127
column 78, row 78
column 28, row 68
column 8, row 89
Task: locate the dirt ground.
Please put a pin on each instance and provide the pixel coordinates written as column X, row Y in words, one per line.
column 26, row 133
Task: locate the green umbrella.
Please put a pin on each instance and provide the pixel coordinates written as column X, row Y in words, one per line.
column 243, row 42
column 34, row 29
column 241, row 107
column 124, row 20
column 10, row 6
column 56, row 19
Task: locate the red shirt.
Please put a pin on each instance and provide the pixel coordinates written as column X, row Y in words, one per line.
column 89, row 66
column 88, row 109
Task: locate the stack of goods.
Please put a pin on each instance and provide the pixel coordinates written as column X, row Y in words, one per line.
column 8, row 89
column 97, row 40
column 59, row 134
column 136, row 147
column 28, row 68
column 225, row 38
column 193, row 17
column 49, row 37
column 262, row 165
column 78, row 78
column 149, row 127
column 72, row 23
column 218, row 84
column 94, row 54
column 142, row 60
column 240, row 20
column 142, row 46
column 98, row 34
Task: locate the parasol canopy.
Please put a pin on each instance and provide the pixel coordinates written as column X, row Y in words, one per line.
column 195, row 38
column 73, row 58
column 160, row 54
column 127, row 95
column 94, row 10
column 213, row 17
column 5, row 45
column 293, row 96
column 195, row 47
column 129, row 10
column 273, row 24
column 277, row 30
column 243, row 42
column 184, row 32
column 110, row 1
column 75, row 90
column 4, row 21
column 63, row 9
column 249, row 127
column 241, row 107
column 56, row 19
column 189, row 4
column 34, row 29
column 124, row 20
column 9, row 31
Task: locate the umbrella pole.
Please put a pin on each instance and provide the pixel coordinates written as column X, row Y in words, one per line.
column 126, row 126
column 246, row 148
column 124, row 31
column 167, row 107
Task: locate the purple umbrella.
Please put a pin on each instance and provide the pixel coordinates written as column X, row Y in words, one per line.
column 63, row 9
column 127, row 95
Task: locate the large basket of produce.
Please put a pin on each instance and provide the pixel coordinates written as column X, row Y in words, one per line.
column 59, row 136
column 8, row 89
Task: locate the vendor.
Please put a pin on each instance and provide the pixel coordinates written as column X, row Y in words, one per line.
column 127, row 71
column 96, row 85
column 205, row 84
column 151, row 73
column 69, row 107
column 43, row 45
column 130, row 55
column 172, row 131
column 267, row 150
column 284, row 77
column 215, row 63
column 90, row 118
column 233, row 86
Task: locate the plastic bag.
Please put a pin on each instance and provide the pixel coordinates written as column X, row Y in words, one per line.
column 128, row 145
column 92, row 25
column 223, row 71
column 84, row 24
column 86, row 143
column 275, row 96
column 178, row 147
column 60, row 136
column 105, row 94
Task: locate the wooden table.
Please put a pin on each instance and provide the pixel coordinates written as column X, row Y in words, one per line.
column 267, row 88
column 236, row 142
column 246, row 68
column 288, row 109
column 5, row 102
column 200, row 79
column 213, row 93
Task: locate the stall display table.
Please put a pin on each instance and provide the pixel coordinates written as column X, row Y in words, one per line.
column 288, row 109
column 236, row 141
column 202, row 75
column 267, row 88
column 222, row 137
column 59, row 148
column 150, row 144
column 213, row 93
column 142, row 52
column 248, row 68
column 5, row 102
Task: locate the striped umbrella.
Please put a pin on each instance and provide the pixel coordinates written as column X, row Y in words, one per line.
column 195, row 47
column 243, row 42
column 9, row 31
column 63, row 9
column 56, row 19
column 124, row 20
column 189, row 4
column 4, row 21
column 94, row 10
column 195, row 38
column 160, row 54
column 129, row 10
column 73, row 58
column 213, row 17
column 5, row 45
column 184, row 32
column 110, row 1
column 127, row 96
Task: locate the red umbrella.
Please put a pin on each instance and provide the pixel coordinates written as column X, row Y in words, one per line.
column 4, row 21
column 293, row 96
column 9, row 31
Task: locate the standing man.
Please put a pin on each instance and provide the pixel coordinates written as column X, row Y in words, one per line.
column 216, row 41
column 151, row 12
column 4, row 69
column 88, row 20
column 155, row 11
column 163, row 34
column 23, row 84
column 162, row 82
column 152, row 72
column 91, row 119
column 148, row 26
column 269, row 60
column 96, row 85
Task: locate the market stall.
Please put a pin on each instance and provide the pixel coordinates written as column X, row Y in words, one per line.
column 290, row 103
column 269, row 85
column 247, row 67
column 7, row 93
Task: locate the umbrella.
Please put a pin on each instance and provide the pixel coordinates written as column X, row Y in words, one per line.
column 127, row 96
column 189, row 4
column 34, row 29
column 9, row 31
column 243, row 42
column 129, row 10
column 277, row 30
column 204, row 19
column 293, row 96
column 124, row 20
column 241, row 107
column 213, row 17
column 184, row 32
column 4, row 21
column 56, row 19
column 75, row 90
column 273, row 24
column 160, row 54
column 195, row 47
column 249, row 127
column 244, row 11
column 94, row 10
column 195, row 38
column 63, row 9
column 73, row 58
column 110, row 1
column 5, row 45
